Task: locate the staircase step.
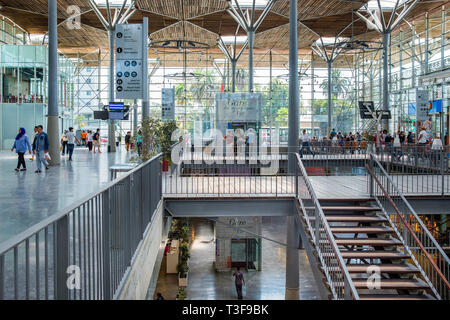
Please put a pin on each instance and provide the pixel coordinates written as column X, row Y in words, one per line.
column 384, row 268
column 355, row 218
column 396, row 284
column 395, row 297
column 366, row 230
column 340, row 209
column 369, row 242
column 374, row 254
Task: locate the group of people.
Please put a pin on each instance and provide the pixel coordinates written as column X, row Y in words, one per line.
column 38, row 148
column 130, row 142
column 88, row 138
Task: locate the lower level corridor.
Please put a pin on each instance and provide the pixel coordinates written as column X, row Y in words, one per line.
column 204, row 283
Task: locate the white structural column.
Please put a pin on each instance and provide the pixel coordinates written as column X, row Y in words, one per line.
column 145, row 103
column 329, row 53
column 109, row 23
column 376, row 19
column 292, row 257
column 247, row 21
column 53, row 111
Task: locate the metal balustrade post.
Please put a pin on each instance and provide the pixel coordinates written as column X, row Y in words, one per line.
column 347, row 294
column 442, row 172
column 371, row 180
column 317, row 226
column 106, row 248
column 61, row 252
column 2, row 277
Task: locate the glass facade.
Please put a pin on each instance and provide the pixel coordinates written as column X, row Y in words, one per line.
column 23, row 89
column 419, row 59
column 418, row 49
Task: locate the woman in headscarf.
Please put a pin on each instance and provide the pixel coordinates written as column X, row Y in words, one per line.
column 21, row 144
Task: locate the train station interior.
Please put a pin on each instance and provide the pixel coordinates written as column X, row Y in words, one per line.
column 224, row 150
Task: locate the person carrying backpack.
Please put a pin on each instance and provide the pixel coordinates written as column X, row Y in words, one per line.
column 96, row 140
column 239, row 281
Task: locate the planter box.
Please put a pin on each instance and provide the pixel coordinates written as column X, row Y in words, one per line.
column 183, row 282
column 172, row 258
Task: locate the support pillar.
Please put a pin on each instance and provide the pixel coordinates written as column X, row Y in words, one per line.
column 251, row 38
column 53, row 112
column 386, row 39
column 293, row 137
column 233, row 75
column 329, row 94
column 111, row 126
column 292, row 259
column 145, row 105
column 135, row 117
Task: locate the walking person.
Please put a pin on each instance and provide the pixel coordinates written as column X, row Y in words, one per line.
column 89, row 140
column 139, row 142
column 306, row 139
column 41, row 145
column 35, row 130
column 128, row 140
column 83, row 136
column 64, row 142
column 71, row 138
column 96, row 140
column 21, row 144
column 239, row 281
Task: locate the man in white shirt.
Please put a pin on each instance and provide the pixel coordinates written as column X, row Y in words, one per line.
column 71, row 142
column 423, row 137
column 306, row 139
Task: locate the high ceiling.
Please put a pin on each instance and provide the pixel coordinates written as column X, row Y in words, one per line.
column 201, row 20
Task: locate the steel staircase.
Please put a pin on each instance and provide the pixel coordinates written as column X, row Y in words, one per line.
column 375, row 248
column 373, row 253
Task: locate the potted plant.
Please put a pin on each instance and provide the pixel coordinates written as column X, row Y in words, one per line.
column 183, row 270
column 181, row 294
column 165, row 141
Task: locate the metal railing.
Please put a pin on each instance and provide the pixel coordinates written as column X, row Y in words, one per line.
column 85, row 251
column 201, row 174
column 417, row 170
column 328, row 253
column 427, row 254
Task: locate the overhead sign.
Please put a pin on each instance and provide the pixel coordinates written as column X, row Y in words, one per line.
column 421, row 105
column 168, row 104
column 366, row 109
column 129, row 61
column 386, row 114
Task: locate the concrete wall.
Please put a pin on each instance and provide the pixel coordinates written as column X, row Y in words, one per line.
column 138, row 279
column 226, row 230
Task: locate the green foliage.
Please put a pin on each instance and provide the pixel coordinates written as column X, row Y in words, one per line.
column 179, row 229
column 181, row 294
column 156, row 137
column 183, row 268
column 282, row 117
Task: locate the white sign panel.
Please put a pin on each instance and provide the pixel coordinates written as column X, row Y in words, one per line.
column 129, row 61
column 128, row 41
column 168, row 104
column 421, row 105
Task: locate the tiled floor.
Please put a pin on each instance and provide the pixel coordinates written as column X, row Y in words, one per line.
column 206, row 284
column 26, row 198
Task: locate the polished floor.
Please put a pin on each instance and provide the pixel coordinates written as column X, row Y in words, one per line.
column 27, row 198
column 205, row 283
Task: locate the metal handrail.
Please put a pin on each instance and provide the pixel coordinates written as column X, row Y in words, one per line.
column 424, row 248
column 21, row 237
column 319, row 214
column 98, row 234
